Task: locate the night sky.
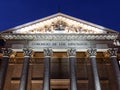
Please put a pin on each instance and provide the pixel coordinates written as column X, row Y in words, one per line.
column 102, row 12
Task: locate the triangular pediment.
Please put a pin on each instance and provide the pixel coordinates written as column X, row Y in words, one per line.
column 59, row 23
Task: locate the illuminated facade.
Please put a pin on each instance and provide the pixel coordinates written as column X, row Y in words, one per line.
column 60, row 52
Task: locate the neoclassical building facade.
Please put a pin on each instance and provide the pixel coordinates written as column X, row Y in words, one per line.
column 60, row 52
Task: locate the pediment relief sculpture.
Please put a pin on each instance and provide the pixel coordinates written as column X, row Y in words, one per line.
column 60, row 27
column 59, row 23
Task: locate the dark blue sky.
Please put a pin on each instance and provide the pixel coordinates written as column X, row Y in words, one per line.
column 101, row 12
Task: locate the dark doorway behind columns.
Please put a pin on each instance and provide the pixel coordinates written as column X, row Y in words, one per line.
column 60, row 89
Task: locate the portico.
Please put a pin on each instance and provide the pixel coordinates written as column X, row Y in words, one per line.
column 60, row 52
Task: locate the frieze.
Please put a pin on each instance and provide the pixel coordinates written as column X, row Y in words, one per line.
column 59, row 44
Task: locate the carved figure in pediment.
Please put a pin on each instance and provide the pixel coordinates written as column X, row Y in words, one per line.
column 60, row 25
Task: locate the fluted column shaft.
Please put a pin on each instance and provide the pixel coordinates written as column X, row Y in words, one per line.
column 24, row 75
column 72, row 58
column 4, row 66
column 113, row 57
column 92, row 55
column 46, row 80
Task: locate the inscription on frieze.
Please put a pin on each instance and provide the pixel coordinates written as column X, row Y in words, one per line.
column 59, row 44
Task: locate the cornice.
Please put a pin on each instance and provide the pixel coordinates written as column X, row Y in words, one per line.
column 49, row 37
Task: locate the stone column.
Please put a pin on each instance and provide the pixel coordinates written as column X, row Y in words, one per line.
column 46, row 80
column 113, row 57
column 4, row 65
column 24, row 75
column 92, row 55
column 72, row 58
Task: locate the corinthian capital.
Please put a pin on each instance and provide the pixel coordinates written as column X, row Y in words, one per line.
column 92, row 52
column 6, row 51
column 47, row 51
column 113, row 51
column 27, row 51
column 71, row 52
